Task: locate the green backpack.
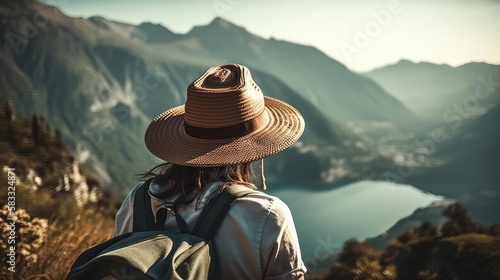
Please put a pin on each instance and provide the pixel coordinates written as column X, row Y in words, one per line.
column 147, row 253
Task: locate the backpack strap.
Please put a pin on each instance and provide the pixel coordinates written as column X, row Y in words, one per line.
column 213, row 213
column 181, row 223
column 144, row 218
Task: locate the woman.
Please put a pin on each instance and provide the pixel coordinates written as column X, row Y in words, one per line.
column 210, row 143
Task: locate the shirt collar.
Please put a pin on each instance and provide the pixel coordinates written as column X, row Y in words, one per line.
column 206, row 194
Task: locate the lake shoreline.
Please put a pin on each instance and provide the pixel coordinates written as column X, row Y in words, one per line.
column 362, row 209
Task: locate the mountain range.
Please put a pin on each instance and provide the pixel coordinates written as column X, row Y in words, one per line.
column 437, row 93
column 340, row 93
column 311, row 73
column 101, row 82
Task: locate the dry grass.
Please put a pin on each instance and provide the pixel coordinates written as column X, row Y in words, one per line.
column 63, row 245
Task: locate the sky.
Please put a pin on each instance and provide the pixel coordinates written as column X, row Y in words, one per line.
column 362, row 34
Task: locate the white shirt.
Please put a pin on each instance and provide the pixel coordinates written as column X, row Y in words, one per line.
column 256, row 240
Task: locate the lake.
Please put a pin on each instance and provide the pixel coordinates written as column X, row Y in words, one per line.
column 325, row 219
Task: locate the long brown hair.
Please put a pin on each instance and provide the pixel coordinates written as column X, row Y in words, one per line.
column 192, row 179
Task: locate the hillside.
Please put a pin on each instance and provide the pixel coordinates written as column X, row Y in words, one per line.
column 40, row 160
column 58, row 208
column 458, row 249
column 470, row 169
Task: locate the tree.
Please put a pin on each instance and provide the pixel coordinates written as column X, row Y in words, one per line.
column 408, row 237
column 494, row 230
column 35, row 130
column 11, row 133
column 391, row 251
column 9, row 110
column 58, row 137
column 427, row 230
column 44, row 131
column 358, row 260
column 354, row 250
column 459, row 221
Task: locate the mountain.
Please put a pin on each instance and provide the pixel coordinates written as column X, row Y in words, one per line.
column 340, row 93
column 101, row 84
column 435, row 92
column 58, row 71
column 470, row 169
column 474, row 152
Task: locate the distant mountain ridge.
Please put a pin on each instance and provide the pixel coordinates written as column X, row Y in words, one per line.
column 432, row 90
column 145, row 32
column 340, row 93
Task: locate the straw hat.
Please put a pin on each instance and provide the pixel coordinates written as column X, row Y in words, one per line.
column 226, row 120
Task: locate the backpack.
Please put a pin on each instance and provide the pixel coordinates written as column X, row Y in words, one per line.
column 147, row 253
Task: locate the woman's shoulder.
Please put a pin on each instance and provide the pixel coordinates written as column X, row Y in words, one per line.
column 264, row 203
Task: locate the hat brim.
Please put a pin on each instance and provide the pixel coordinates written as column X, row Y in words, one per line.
column 166, row 139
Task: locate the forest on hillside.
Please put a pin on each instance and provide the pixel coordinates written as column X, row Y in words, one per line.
column 459, row 249
column 58, row 209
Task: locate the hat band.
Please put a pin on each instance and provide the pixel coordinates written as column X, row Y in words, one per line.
column 237, row 130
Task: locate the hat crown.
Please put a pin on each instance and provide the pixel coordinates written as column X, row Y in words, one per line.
column 221, row 77
column 223, row 96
